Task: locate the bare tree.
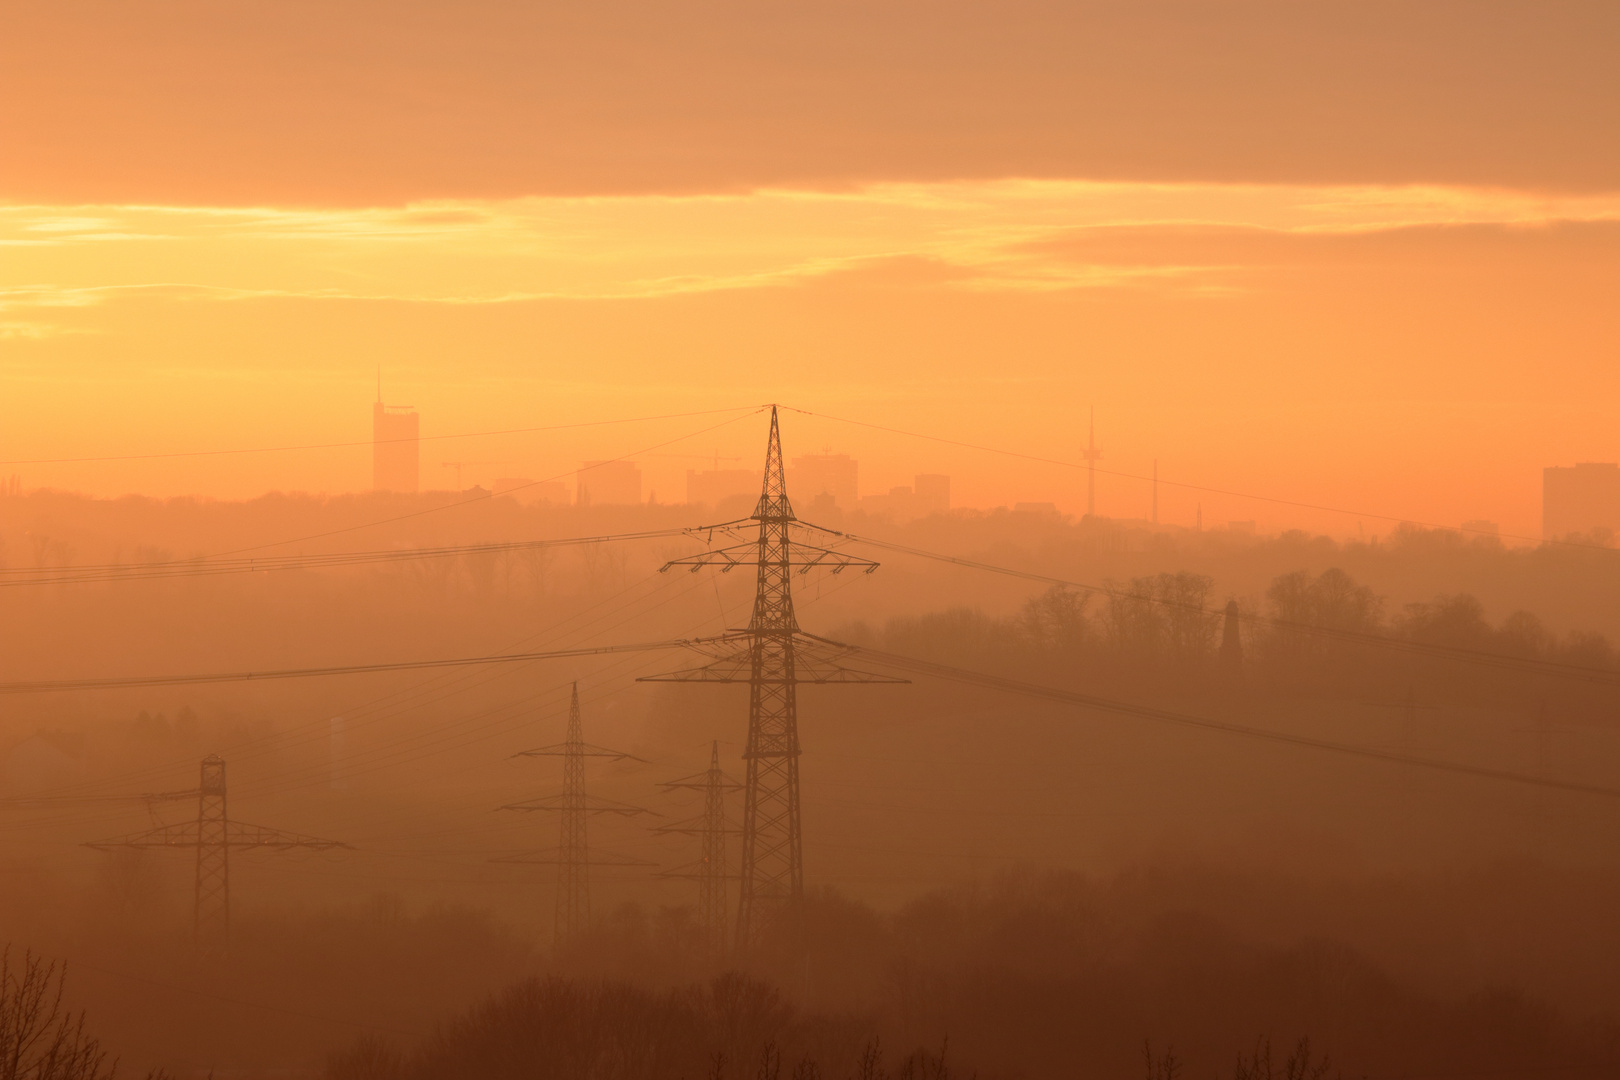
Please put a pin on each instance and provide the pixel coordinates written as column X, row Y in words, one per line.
column 39, row 1039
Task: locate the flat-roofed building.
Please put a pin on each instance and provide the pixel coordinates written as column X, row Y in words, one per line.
column 813, row 475
column 728, row 487
column 396, row 457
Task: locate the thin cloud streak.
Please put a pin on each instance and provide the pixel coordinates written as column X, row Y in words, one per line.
column 1007, row 235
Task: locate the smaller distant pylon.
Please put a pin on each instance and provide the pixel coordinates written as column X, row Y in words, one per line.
column 572, row 857
column 713, row 828
column 1232, row 646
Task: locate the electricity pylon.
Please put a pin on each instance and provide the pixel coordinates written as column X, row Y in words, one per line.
column 574, row 807
column 713, row 828
column 213, row 835
column 772, row 656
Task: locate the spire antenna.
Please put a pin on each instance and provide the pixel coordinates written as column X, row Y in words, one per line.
column 1091, row 454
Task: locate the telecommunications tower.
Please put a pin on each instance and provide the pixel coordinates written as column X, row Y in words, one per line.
column 713, row 828
column 773, row 656
column 213, row 835
column 1091, row 454
column 573, row 807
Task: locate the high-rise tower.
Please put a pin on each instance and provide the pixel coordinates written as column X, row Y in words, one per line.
column 396, row 456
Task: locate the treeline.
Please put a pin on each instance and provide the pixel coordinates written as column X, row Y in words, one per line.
column 1317, row 632
column 1027, row 976
column 566, row 1029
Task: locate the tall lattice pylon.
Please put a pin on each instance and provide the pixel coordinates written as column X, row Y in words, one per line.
column 772, row 656
column 574, row 808
column 213, row 834
column 713, row 828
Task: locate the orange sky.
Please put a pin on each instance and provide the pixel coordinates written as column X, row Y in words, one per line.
column 1360, row 255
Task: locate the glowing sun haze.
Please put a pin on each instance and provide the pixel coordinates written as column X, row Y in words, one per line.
column 1352, row 254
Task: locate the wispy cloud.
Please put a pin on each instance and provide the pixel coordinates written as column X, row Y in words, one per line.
column 1005, row 235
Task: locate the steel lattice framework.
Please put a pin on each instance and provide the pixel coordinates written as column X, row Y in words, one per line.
column 574, row 808
column 712, row 827
column 773, row 658
column 213, row 834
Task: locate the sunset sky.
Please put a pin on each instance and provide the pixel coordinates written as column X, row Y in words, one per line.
column 1361, row 255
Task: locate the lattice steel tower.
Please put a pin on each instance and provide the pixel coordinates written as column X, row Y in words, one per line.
column 213, row 835
column 712, row 828
column 574, row 808
column 773, row 656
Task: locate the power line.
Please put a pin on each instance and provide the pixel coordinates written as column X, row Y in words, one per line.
column 208, row 567
column 1091, row 701
column 1460, row 654
column 55, row 685
column 369, row 442
column 394, row 699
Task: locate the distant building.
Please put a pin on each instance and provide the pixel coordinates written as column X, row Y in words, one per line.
column 608, row 483
column 1580, row 499
column 732, row 488
column 824, row 474
column 396, row 458
column 933, row 493
column 533, row 492
column 898, row 503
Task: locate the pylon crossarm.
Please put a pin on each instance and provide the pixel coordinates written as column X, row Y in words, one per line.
column 694, row 826
column 817, row 660
column 559, row 804
column 802, row 559
column 706, row 533
column 243, row 835
column 582, row 750
column 701, row 782
column 181, row 835
column 727, row 559
column 695, row 871
column 552, row 857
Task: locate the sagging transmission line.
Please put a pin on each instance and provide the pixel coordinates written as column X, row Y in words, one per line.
column 208, row 567
column 46, row 686
column 951, row 673
column 1433, row 650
